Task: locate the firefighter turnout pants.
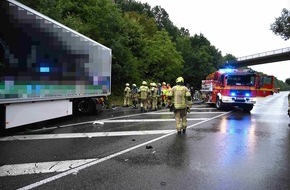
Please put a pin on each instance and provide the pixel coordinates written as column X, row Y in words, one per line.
column 180, row 119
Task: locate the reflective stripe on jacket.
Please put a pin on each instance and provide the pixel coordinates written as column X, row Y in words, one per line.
column 143, row 90
column 180, row 94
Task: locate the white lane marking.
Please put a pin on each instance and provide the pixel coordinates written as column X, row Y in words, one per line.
column 41, row 167
column 82, row 123
column 84, row 135
column 143, row 120
column 75, row 170
column 98, row 134
column 119, row 117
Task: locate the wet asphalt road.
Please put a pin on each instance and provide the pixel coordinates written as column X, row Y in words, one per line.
column 126, row 149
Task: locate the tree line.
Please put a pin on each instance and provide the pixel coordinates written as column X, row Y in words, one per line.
column 145, row 44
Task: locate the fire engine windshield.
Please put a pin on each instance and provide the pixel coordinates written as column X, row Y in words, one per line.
column 240, row 80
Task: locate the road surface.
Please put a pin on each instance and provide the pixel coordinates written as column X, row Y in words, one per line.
column 126, row 149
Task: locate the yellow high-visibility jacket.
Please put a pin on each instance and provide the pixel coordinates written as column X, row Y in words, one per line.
column 143, row 92
column 180, row 95
column 127, row 91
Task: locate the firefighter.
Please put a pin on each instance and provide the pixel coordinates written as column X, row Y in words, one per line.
column 168, row 90
column 181, row 98
column 143, row 96
column 153, row 93
column 159, row 96
column 127, row 92
column 149, row 100
column 134, row 95
column 164, row 90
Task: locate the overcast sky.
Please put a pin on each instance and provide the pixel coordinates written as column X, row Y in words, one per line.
column 238, row 27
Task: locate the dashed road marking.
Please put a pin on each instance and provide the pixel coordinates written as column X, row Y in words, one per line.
column 83, row 135
column 145, row 120
column 41, row 167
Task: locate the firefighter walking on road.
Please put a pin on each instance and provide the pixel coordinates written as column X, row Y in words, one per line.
column 134, row 95
column 181, row 97
column 153, row 95
column 143, row 96
column 127, row 92
column 159, row 96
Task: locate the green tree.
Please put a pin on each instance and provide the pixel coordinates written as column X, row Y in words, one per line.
column 281, row 26
column 200, row 57
column 287, row 81
column 161, row 60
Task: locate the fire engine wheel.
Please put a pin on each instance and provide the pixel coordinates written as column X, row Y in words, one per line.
column 247, row 107
column 219, row 104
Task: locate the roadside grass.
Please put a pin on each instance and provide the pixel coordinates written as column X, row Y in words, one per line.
column 115, row 100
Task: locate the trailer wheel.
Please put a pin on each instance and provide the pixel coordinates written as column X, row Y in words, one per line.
column 85, row 106
column 219, row 104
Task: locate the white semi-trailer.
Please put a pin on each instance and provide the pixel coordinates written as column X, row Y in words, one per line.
column 47, row 70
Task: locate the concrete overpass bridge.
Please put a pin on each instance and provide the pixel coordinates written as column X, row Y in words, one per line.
column 262, row 58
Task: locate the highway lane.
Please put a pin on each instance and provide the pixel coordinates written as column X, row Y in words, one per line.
column 221, row 150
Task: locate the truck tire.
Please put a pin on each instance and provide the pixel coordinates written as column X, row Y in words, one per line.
column 219, row 104
column 247, row 107
column 85, row 106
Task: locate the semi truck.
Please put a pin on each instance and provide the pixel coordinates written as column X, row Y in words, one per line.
column 47, row 70
column 230, row 87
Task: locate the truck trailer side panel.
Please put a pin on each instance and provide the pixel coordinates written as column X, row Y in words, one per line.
column 42, row 59
column 46, row 68
column 26, row 113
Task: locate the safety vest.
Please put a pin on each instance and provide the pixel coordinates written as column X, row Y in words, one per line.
column 143, row 90
column 164, row 89
column 180, row 94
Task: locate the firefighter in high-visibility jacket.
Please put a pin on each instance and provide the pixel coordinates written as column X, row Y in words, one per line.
column 153, row 94
column 179, row 99
column 143, row 96
column 127, row 92
column 164, row 90
column 134, row 95
column 159, row 96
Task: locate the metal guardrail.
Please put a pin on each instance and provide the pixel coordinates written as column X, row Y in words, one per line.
column 263, row 54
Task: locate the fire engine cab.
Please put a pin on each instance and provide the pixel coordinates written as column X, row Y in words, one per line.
column 227, row 88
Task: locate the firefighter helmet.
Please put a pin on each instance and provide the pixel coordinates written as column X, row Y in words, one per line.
column 127, row 84
column 179, row 80
column 134, row 85
column 144, row 83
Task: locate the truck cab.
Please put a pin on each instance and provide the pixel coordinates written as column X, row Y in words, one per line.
column 231, row 87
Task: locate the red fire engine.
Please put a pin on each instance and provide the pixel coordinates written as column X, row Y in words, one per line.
column 227, row 88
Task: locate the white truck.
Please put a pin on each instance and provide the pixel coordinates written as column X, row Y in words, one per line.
column 47, row 70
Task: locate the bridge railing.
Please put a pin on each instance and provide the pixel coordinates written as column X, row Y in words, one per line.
column 263, row 54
